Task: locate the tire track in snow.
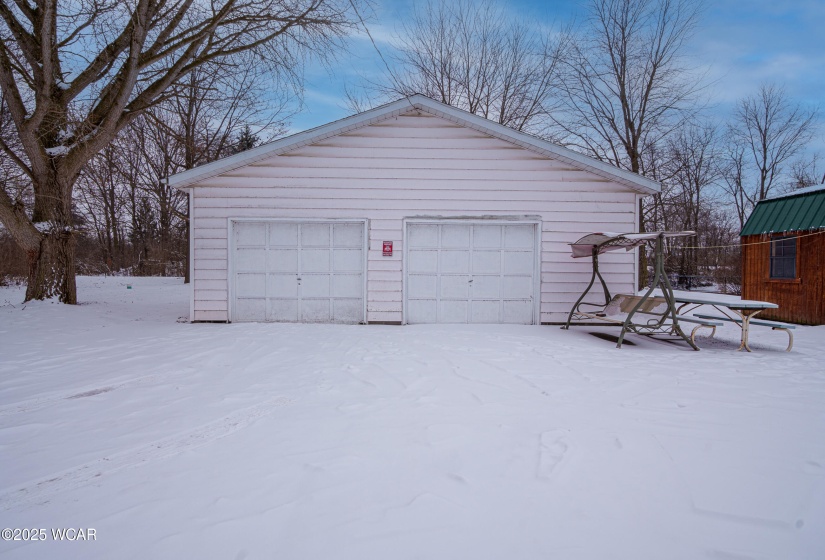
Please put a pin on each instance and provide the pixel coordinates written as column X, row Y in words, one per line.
column 42, row 490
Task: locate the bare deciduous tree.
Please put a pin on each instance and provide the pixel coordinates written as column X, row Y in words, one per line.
column 471, row 55
column 766, row 133
column 625, row 85
column 772, row 131
column 806, row 173
column 694, row 172
column 73, row 75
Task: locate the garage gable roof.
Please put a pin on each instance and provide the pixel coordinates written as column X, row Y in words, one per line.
column 422, row 103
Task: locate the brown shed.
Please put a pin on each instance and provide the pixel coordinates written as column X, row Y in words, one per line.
column 783, row 256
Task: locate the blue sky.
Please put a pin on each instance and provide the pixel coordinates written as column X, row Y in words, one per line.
column 738, row 45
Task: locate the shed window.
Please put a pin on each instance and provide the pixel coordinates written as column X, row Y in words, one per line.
column 783, row 257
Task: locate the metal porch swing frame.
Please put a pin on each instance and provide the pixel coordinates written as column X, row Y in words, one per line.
column 658, row 323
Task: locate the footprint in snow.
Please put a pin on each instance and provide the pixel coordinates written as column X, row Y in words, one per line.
column 553, row 448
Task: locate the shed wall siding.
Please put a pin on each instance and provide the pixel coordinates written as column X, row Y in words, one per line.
column 801, row 300
column 414, row 166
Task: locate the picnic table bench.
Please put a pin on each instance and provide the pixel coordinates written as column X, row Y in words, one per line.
column 759, row 323
column 739, row 311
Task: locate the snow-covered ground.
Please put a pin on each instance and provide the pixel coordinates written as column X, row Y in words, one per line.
column 243, row 441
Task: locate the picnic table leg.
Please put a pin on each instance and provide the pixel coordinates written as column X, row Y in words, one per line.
column 746, row 315
column 790, row 337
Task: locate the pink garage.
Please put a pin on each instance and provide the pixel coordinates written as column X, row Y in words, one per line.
column 413, row 212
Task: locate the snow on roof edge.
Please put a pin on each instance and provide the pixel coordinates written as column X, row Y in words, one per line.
column 806, row 190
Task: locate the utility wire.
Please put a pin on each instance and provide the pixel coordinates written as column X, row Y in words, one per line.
column 754, row 243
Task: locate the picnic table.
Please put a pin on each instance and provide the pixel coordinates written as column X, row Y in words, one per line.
column 743, row 309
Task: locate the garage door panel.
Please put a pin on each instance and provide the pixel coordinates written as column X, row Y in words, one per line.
column 454, row 261
column 455, row 236
column 250, row 259
column 283, row 235
column 315, row 260
column 315, row 235
column 519, row 312
column 250, row 309
column 423, row 260
column 347, row 286
column 283, row 310
column 348, row 235
column 455, row 286
column 486, row 287
column 518, row 287
column 315, row 311
column 519, row 262
column 282, row 260
column 314, row 286
column 422, row 286
column 487, row 236
column 282, row 285
column 422, row 311
column 452, row 311
column 251, row 285
column 250, row 234
column 486, row 262
column 485, row 312
column 347, row 310
column 347, row 260
column 423, row 236
column 519, row 237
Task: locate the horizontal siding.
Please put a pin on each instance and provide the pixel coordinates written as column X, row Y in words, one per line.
column 452, row 150
column 295, row 161
column 210, row 243
column 208, row 315
column 251, row 207
column 210, row 305
column 384, row 285
column 384, row 316
column 213, row 284
column 408, row 167
column 412, row 189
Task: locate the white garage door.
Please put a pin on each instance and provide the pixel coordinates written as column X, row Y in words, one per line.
column 311, row 272
column 471, row 273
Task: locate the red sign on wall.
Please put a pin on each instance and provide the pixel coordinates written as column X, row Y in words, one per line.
column 387, row 248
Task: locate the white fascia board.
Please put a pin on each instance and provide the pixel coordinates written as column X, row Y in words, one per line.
column 420, row 102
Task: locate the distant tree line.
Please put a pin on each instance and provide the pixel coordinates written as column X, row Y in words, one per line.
column 84, row 151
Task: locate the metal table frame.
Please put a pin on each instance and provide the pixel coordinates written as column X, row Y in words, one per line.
column 745, row 310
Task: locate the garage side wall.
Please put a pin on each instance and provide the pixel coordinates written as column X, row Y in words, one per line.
column 409, row 166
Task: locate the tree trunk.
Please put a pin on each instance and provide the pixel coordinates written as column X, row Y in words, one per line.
column 642, row 251
column 52, row 260
column 52, row 268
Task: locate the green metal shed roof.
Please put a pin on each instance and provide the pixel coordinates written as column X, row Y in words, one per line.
column 802, row 211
